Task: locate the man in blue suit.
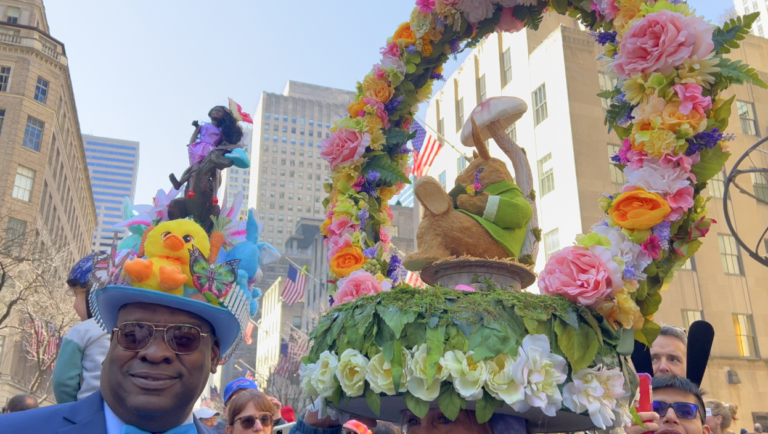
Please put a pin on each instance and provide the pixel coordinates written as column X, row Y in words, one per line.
column 162, row 349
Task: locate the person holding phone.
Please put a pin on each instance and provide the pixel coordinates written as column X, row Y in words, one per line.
column 678, row 408
column 250, row 411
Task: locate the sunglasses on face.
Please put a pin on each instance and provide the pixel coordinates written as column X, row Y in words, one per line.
column 247, row 422
column 180, row 338
column 683, row 410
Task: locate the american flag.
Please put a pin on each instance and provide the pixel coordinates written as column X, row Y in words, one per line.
column 426, row 147
column 246, row 373
column 294, row 289
column 248, row 333
column 215, row 393
column 290, row 362
column 414, row 280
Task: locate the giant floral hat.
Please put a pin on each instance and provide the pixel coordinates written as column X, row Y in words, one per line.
column 559, row 359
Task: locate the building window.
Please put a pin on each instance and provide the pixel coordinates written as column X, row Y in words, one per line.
column 459, row 113
column 539, row 104
column 443, row 179
column 617, row 176
column 13, row 14
column 506, row 68
column 689, row 265
column 690, row 316
column 512, row 132
column 297, row 322
column 25, row 181
column 5, row 78
column 15, row 234
column 41, row 90
column 729, row 254
column 606, row 83
column 747, row 116
column 481, row 87
column 546, row 175
column 760, row 186
column 462, row 163
column 717, row 185
column 33, row 134
column 551, row 242
column 745, row 336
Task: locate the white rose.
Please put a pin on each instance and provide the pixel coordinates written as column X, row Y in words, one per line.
column 420, row 23
column 623, row 247
column 324, row 378
column 501, row 383
column 379, row 374
column 306, row 372
column 418, row 380
column 468, row 376
column 351, row 372
column 539, row 371
column 595, row 390
column 475, row 10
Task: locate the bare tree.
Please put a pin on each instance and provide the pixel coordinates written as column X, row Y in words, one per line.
column 727, row 14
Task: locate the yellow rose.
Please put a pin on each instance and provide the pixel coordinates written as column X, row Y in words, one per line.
column 673, row 120
column 405, row 34
column 377, row 89
column 621, row 312
column 355, row 107
column 348, row 259
column 324, row 226
column 639, row 209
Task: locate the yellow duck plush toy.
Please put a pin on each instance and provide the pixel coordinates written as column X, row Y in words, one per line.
column 166, row 246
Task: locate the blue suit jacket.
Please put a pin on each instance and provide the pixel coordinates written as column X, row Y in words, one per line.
column 86, row 417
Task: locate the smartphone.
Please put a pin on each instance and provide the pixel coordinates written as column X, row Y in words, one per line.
column 283, row 429
column 646, row 396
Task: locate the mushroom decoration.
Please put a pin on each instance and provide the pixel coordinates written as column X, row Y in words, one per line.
column 493, row 117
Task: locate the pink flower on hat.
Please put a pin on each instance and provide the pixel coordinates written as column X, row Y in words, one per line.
column 690, row 94
column 343, row 146
column 661, row 41
column 652, row 246
column 357, row 284
column 680, row 202
column 583, row 276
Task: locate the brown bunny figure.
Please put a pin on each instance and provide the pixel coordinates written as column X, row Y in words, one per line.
column 490, row 224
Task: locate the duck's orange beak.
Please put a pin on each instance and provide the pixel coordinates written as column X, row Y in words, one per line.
column 173, row 243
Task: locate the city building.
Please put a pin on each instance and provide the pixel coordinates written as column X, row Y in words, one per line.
column 46, row 195
column 113, row 166
column 568, row 147
column 278, row 322
column 287, row 130
column 236, row 180
column 744, row 7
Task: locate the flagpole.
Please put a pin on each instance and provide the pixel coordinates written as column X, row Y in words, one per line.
column 302, row 270
column 439, row 136
column 246, row 365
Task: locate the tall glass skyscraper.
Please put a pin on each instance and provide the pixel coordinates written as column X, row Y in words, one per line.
column 112, row 165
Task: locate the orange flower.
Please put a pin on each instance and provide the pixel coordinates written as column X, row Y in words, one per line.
column 355, row 107
column 324, row 226
column 621, row 312
column 426, row 47
column 348, row 259
column 405, row 34
column 377, row 89
column 639, row 209
column 672, row 119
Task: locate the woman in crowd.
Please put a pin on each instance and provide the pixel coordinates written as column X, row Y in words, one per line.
column 250, row 411
column 720, row 416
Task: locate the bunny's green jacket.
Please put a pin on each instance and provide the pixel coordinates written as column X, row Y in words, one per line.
column 506, row 216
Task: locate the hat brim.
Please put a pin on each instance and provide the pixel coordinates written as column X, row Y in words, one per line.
column 392, row 408
column 111, row 299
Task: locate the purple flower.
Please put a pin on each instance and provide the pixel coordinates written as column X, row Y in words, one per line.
column 455, row 45
column 411, row 49
column 369, row 189
column 706, row 139
column 405, row 149
column 391, row 106
column 626, row 120
column 363, row 216
column 616, row 159
column 331, row 301
column 394, row 268
column 371, row 252
column 440, row 22
column 629, row 272
column 436, row 76
column 372, row 176
column 603, row 38
column 662, row 230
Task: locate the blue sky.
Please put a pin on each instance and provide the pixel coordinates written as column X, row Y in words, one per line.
column 143, row 70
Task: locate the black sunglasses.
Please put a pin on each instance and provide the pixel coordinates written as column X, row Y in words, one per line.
column 180, row 338
column 683, row 410
column 247, row 422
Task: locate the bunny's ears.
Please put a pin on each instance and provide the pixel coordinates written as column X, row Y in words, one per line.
column 482, row 150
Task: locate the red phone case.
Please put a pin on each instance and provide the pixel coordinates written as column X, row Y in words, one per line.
column 646, row 396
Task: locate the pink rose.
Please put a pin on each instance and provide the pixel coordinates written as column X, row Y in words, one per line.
column 335, row 244
column 343, row 146
column 690, row 94
column 652, row 246
column 607, row 8
column 508, row 23
column 580, row 275
column 661, row 41
column 391, row 49
column 340, row 227
column 384, row 235
column 355, row 285
column 679, row 202
column 682, row 161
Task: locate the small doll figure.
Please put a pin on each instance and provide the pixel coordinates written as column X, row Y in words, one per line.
column 223, row 130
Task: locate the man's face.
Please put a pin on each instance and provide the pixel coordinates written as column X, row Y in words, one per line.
column 436, row 423
column 668, row 356
column 155, row 388
column 210, row 422
column 671, row 424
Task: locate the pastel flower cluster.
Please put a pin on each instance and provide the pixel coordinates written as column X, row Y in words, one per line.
column 530, row 379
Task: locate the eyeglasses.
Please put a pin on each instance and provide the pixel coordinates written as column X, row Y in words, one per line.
column 247, row 422
column 683, row 410
column 180, row 338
